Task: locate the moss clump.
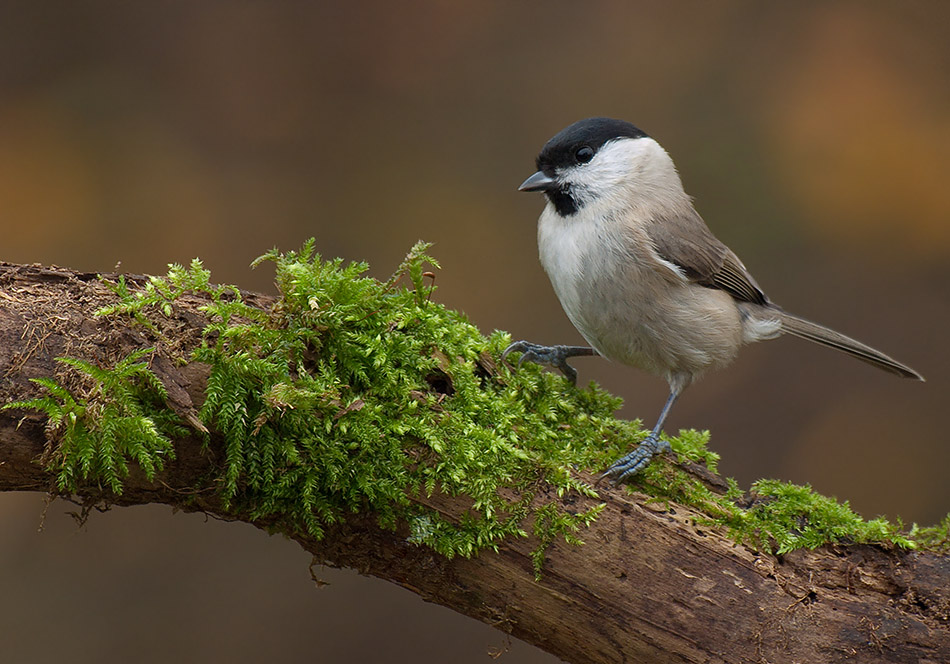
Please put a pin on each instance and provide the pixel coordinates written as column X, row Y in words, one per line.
column 354, row 394
column 117, row 416
column 784, row 517
column 774, row 516
column 933, row 538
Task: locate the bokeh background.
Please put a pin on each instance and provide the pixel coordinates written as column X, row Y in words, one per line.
column 814, row 136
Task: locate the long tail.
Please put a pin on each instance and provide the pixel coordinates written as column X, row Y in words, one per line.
column 826, row 337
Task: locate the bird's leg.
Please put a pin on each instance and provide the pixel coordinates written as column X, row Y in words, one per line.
column 555, row 356
column 626, row 467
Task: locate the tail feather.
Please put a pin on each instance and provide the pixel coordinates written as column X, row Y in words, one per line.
column 827, row 337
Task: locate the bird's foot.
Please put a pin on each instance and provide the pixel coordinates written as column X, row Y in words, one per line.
column 624, row 469
column 555, row 356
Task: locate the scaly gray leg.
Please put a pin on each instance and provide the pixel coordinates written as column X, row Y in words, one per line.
column 626, row 467
column 555, row 356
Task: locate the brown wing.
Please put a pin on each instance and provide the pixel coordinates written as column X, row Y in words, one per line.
column 687, row 242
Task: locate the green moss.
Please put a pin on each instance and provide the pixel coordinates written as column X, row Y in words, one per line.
column 935, row 538
column 354, row 394
column 119, row 417
column 784, row 517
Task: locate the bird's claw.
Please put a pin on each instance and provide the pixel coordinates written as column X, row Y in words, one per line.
column 555, row 356
column 625, row 468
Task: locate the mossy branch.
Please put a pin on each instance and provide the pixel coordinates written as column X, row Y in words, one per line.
column 347, row 404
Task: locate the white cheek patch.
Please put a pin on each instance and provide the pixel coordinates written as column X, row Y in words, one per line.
column 619, row 171
column 612, row 164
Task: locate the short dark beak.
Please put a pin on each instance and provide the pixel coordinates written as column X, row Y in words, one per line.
column 540, row 181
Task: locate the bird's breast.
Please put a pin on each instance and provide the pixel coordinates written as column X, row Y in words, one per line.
column 596, row 269
column 628, row 304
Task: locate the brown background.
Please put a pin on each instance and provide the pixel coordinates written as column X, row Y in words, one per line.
column 815, row 138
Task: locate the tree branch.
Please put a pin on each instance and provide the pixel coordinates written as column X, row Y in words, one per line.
column 652, row 583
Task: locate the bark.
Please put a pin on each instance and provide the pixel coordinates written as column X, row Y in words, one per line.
column 650, row 585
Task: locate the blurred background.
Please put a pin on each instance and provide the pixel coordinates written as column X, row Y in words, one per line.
column 814, row 136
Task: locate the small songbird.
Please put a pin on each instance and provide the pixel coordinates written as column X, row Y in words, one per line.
column 641, row 276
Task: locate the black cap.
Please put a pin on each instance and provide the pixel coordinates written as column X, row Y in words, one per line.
column 591, row 133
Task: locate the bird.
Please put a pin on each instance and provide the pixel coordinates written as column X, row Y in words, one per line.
column 641, row 276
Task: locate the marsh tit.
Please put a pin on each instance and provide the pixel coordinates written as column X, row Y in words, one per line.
column 641, row 276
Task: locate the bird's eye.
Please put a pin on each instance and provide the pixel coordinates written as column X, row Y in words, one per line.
column 584, row 155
